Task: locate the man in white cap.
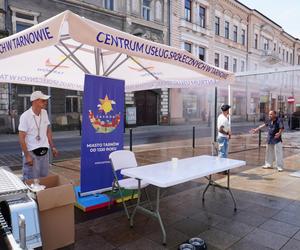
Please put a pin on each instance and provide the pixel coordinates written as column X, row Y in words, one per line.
column 224, row 131
column 35, row 137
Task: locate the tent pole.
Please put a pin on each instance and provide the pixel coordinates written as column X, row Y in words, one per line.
column 62, row 61
column 229, row 102
column 50, row 119
column 102, row 61
column 69, row 56
column 155, row 77
column 110, row 66
column 112, row 70
column 75, row 58
column 215, row 114
column 97, row 61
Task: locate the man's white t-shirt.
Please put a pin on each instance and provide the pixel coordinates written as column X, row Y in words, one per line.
column 223, row 121
column 29, row 123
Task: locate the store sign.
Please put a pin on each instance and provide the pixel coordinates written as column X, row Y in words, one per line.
column 291, row 99
column 131, row 115
column 264, row 98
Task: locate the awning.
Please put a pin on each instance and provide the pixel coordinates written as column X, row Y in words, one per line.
column 59, row 51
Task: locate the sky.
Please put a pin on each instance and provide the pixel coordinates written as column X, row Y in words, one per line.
column 284, row 13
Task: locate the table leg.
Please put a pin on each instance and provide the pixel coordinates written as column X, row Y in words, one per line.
column 154, row 214
column 137, row 203
column 228, row 188
column 159, row 218
column 207, row 186
column 213, row 183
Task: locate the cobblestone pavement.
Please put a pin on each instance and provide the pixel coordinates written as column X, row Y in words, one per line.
column 268, row 201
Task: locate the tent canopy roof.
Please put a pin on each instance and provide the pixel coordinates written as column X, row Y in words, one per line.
column 59, row 51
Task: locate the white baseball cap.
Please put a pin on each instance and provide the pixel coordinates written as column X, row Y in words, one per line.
column 38, row 95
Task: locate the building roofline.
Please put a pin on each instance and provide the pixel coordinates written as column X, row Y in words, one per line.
column 255, row 10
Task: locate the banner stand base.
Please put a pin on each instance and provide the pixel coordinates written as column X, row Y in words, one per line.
column 97, row 200
column 90, row 202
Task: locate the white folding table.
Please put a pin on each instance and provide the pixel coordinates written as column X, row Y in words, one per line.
column 167, row 174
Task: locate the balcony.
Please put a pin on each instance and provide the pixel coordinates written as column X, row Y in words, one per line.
column 194, row 27
column 270, row 56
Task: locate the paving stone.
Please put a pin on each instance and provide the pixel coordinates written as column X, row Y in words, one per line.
column 280, row 228
column 267, row 239
column 292, row 245
column 218, row 238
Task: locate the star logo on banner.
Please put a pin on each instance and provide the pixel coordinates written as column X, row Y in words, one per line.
column 106, row 105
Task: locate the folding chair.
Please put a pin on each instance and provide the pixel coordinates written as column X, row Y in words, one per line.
column 122, row 159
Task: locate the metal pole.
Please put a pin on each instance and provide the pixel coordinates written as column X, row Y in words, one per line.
column 215, row 114
column 193, row 136
column 259, row 138
column 22, row 231
column 50, row 119
column 130, row 139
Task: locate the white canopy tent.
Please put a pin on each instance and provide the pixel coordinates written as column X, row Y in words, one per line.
column 59, row 51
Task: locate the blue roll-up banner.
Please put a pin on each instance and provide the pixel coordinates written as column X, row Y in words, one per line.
column 102, row 131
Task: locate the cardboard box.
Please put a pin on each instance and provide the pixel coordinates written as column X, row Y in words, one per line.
column 56, row 212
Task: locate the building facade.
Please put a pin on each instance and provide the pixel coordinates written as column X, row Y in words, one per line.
column 224, row 33
column 228, row 34
column 145, row 18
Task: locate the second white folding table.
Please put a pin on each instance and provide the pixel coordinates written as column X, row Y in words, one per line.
column 167, row 174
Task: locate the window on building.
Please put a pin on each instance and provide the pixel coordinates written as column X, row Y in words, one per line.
column 243, row 36
column 22, row 19
column 146, row 9
column 287, row 56
column 109, row 4
column 234, row 65
column 291, row 58
column 190, row 105
column 217, row 60
column 188, row 47
column 255, row 41
column 235, row 29
column 217, row 26
column 226, row 34
column 158, row 10
column 187, row 10
column 202, row 14
column 283, row 54
column 279, row 50
column 298, row 60
column 226, row 62
column 202, row 53
column 266, row 44
column 242, row 66
column 72, row 104
column 274, row 48
column 23, row 103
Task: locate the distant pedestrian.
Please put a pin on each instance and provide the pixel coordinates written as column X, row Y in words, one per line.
column 35, row 137
column 274, row 141
column 224, row 131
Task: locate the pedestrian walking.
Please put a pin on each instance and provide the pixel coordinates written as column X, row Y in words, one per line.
column 274, row 141
column 224, row 131
column 35, row 138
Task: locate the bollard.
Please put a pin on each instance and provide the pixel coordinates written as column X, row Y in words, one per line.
column 193, row 136
column 259, row 138
column 80, row 126
column 130, row 139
